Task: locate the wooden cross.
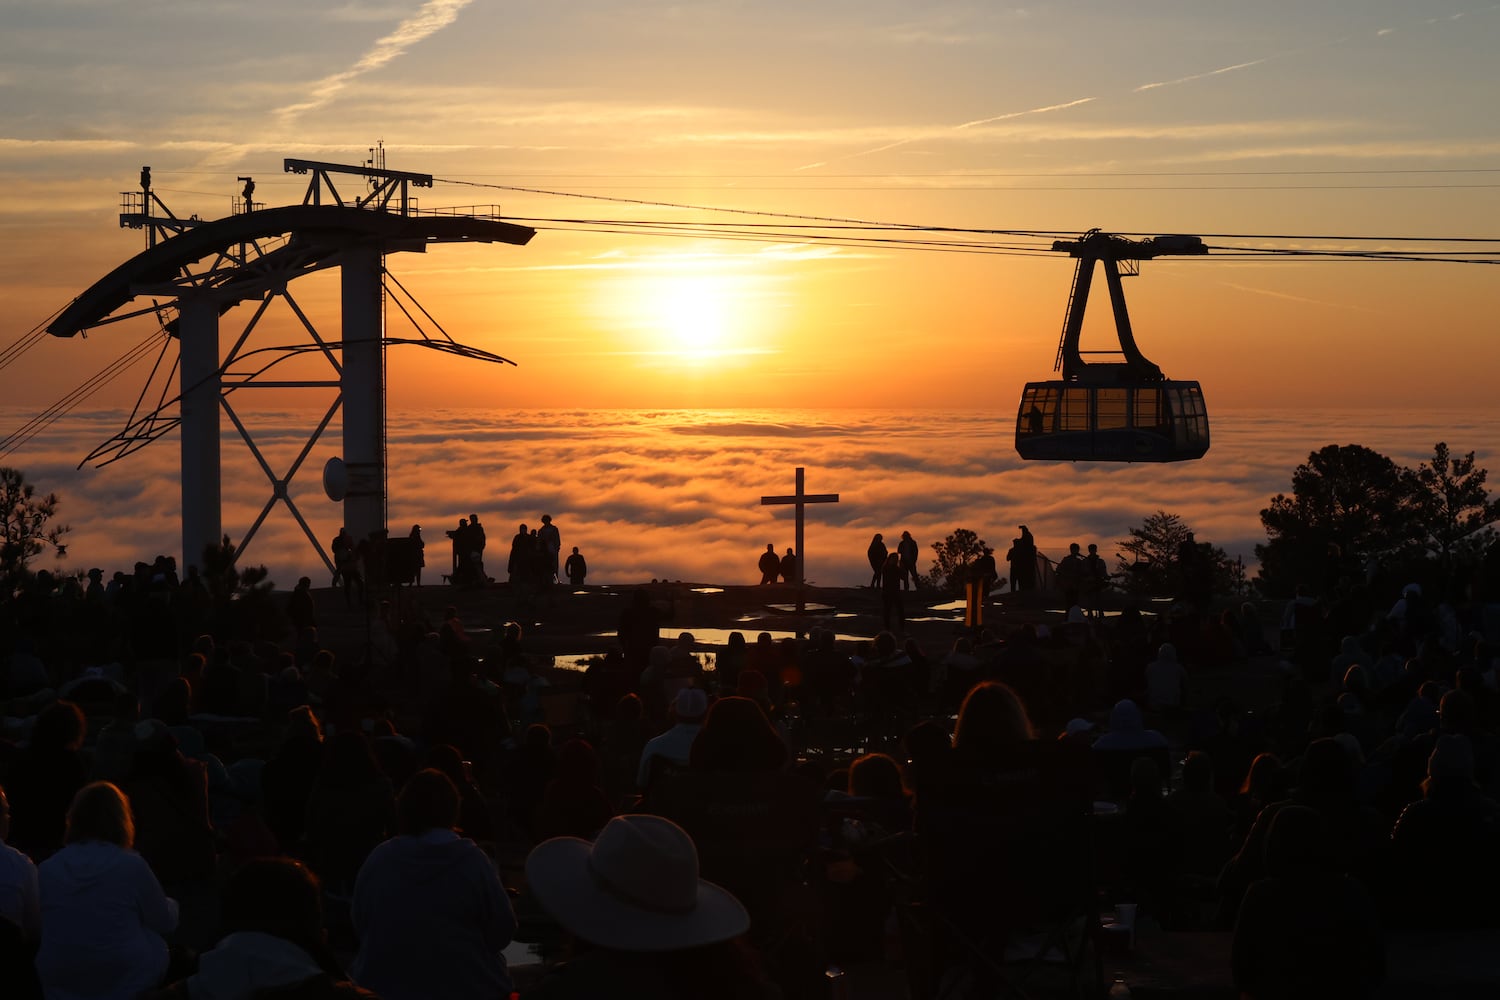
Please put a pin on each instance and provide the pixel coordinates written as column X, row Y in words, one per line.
column 801, row 500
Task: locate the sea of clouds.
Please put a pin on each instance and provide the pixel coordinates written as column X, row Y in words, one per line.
column 675, row 494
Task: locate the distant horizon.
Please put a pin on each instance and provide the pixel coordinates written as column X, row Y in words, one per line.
column 674, row 494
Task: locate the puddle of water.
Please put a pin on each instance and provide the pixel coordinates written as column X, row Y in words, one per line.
column 706, row 639
column 708, row 590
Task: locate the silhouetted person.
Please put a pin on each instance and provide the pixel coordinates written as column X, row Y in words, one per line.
column 1022, row 559
column 1305, row 930
column 549, row 544
column 462, row 551
column 1193, row 573
column 1072, row 571
column 908, row 551
column 19, row 901
column 351, row 809
column 476, row 546
column 576, row 568
column 104, row 914
column 428, row 907
column 248, row 193
column 346, row 568
column 671, row 937
column 274, row 942
column 44, row 778
column 640, row 628
column 1095, row 578
column 892, row 611
column 788, row 568
column 522, row 555
column 299, row 606
column 876, row 554
column 1444, row 870
column 419, row 555
column 770, row 564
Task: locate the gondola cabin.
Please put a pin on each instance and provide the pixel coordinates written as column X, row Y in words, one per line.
column 1067, row 421
column 1119, row 410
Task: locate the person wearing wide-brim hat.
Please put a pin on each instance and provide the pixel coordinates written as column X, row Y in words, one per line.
column 644, row 923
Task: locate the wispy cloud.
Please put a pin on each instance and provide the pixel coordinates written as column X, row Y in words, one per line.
column 1434, row 151
column 1288, row 297
column 432, row 17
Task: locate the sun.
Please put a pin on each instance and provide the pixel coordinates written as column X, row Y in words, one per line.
column 695, row 314
column 698, row 313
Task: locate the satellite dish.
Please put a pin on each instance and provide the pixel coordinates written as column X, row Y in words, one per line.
column 335, row 479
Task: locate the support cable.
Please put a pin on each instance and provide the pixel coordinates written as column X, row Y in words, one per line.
column 29, row 430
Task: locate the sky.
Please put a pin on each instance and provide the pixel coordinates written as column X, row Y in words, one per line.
column 1281, row 125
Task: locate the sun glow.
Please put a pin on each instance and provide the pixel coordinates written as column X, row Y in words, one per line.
column 695, row 316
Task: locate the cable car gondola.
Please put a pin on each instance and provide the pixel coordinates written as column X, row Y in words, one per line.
column 1119, row 410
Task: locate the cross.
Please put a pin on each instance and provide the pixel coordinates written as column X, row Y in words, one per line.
column 801, row 500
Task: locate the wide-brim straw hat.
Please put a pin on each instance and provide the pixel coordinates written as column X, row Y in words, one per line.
column 634, row 888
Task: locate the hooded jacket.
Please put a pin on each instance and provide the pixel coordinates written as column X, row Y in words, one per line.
column 103, row 917
column 1127, row 730
column 432, row 920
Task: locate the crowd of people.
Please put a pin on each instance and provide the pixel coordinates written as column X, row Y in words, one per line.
column 228, row 815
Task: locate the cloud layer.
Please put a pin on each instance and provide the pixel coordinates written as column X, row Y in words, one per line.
column 676, row 494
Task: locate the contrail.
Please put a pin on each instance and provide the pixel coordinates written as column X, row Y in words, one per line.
column 434, row 16
column 1200, row 76
column 955, row 128
column 1034, row 111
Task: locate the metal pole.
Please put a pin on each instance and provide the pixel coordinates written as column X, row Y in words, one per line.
column 198, row 335
column 363, row 387
column 800, row 493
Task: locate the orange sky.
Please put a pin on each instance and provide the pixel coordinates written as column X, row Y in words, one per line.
column 1353, row 119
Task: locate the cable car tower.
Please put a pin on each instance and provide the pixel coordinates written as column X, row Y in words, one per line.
column 1122, row 410
column 205, row 268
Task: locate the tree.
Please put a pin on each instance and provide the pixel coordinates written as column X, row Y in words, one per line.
column 29, row 528
column 1351, row 505
column 1348, row 504
column 242, row 598
column 955, row 555
column 1154, row 551
column 1454, row 509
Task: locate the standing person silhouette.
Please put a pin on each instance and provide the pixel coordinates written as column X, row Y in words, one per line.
column 419, row 558
column 1096, row 579
column 908, row 551
column 576, row 567
column 893, row 612
column 549, row 540
column 769, row 564
column 476, row 542
column 1072, row 573
column 876, row 553
column 1022, row 559
column 520, row 555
